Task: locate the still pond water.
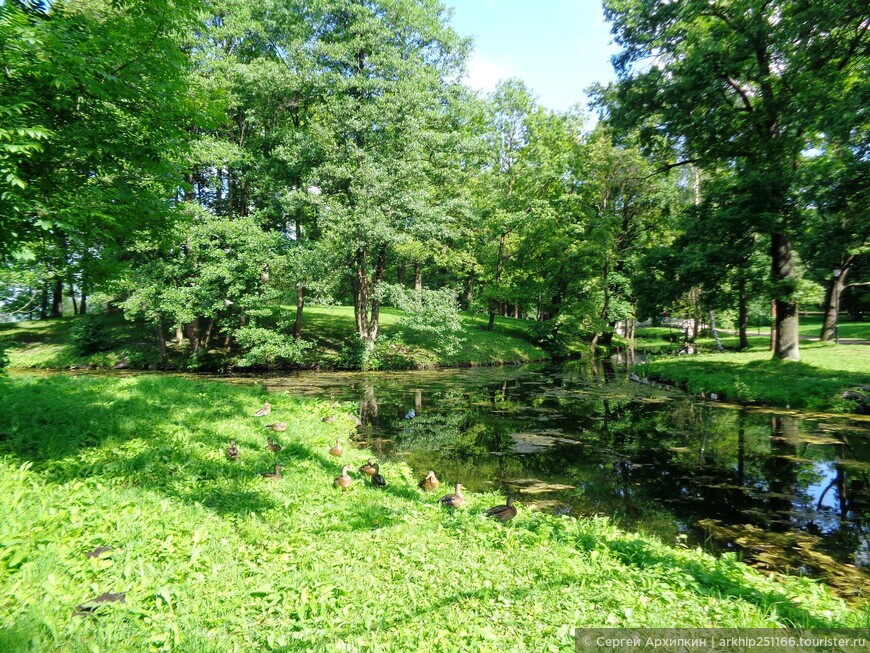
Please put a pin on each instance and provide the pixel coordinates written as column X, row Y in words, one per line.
column 789, row 492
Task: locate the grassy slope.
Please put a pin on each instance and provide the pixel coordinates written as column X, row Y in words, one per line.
column 44, row 344
column 816, row 382
column 214, row 558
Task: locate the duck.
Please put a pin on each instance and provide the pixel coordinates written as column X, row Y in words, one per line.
column 233, row 451
column 278, row 427
column 504, row 512
column 369, row 468
column 377, row 479
column 329, row 419
column 455, row 500
column 344, row 481
column 337, row 450
column 273, row 446
column 276, row 475
column 431, row 481
column 265, row 410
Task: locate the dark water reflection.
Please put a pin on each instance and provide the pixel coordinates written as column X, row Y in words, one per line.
column 790, row 493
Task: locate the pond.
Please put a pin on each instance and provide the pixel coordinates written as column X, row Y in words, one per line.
column 789, row 492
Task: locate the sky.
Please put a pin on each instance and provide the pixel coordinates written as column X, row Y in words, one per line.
column 558, row 47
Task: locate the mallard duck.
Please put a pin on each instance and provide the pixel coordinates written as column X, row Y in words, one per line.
column 344, row 481
column 89, row 607
column 278, row 427
column 99, row 551
column 369, row 468
column 431, row 481
column 276, row 475
column 377, row 479
column 273, row 446
column 455, row 500
column 265, row 410
column 337, row 450
column 504, row 512
column 233, row 451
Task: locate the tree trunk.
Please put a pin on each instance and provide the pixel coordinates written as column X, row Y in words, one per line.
column 400, row 274
column 374, row 320
column 57, row 299
column 300, row 305
column 360, row 284
column 773, row 332
column 191, row 330
column 83, row 299
column 785, row 279
column 72, row 296
column 418, row 276
column 832, row 307
column 467, row 294
column 161, row 340
column 742, row 314
column 493, row 304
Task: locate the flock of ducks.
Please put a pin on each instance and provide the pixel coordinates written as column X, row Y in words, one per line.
column 372, row 470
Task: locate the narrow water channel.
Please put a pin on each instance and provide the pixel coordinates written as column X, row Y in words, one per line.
column 789, row 493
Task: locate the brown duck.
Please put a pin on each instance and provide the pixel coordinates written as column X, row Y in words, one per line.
column 455, row 500
column 233, row 451
column 431, row 481
column 265, row 410
column 278, row 427
column 337, row 450
column 504, row 512
column 329, row 419
column 377, row 479
column 344, row 481
column 273, row 446
column 276, row 475
column 369, row 469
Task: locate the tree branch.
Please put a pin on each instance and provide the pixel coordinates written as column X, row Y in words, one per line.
column 148, row 45
column 746, row 103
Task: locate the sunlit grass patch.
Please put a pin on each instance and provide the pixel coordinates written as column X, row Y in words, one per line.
column 213, row 557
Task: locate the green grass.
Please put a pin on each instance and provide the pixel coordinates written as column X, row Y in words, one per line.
column 214, row 558
column 45, row 343
column 815, row 383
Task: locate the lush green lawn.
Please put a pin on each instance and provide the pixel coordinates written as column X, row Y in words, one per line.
column 212, row 557
column 46, row 343
column 815, row 383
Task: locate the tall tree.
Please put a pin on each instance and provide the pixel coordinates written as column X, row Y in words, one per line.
column 386, row 72
column 737, row 83
column 106, row 83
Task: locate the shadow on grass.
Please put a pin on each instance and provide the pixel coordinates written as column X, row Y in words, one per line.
column 723, row 579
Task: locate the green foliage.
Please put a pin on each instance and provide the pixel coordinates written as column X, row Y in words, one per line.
column 268, row 347
column 433, row 314
column 212, row 557
column 90, row 334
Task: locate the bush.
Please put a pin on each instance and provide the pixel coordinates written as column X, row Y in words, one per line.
column 265, row 347
column 89, row 334
column 4, row 358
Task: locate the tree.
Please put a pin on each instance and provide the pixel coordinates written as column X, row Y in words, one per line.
column 100, row 87
column 736, row 84
column 385, row 130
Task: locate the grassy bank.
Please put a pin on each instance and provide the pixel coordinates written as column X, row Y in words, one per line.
column 48, row 343
column 817, row 382
column 212, row 557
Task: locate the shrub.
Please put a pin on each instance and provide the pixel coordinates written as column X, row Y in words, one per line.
column 265, row 347
column 89, row 334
